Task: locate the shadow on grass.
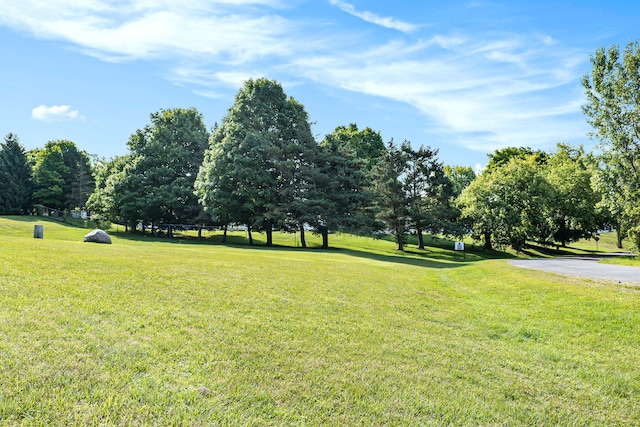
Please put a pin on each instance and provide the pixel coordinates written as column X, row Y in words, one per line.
column 432, row 257
column 66, row 222
column 415, row 258
column 538, row 251
column 438, row 253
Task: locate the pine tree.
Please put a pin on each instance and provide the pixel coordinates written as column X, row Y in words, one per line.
column 15, row 176
column 340, row 195
column 430, row 193
column 392, row 201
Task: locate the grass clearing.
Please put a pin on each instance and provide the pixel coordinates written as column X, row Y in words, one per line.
column 156, row 332
column 633, row 261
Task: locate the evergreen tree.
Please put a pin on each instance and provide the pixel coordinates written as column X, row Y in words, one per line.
column 340, row 196
column 391, row 199
column 15, row 176
column 429, row 192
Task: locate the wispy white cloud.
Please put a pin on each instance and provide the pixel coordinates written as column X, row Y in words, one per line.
column 447, row 42
column 55, row 113
column 373, row 18
column 477, row 90
column 216, row 79
column 547, row 40
column 485, row 95
column 219, row 30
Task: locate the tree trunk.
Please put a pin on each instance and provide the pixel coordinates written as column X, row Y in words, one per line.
column 269, row 231
column 303, row 240
column 224, row 235
column 487, row 241
column 420, row 239
column 619, row 235
column 399, row 239
column 325, row 237
column 250, row 236
column 199, row 233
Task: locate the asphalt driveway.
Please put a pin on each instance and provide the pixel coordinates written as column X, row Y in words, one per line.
column 584, row 266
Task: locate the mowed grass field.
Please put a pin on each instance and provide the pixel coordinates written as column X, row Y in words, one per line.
column 158, row 332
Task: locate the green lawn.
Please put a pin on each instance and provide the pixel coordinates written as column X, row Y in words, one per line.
column 157, row 332
column 633, row 261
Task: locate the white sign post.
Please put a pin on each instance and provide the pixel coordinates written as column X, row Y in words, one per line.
column 459, row 247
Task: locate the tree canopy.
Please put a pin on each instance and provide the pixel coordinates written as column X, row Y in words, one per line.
column 258, row 161
column 613, row 110
column 157, row 183
column 62, row 176
column 524, row 199
column 263, row 168
column 15, row 176
column 366, row 143
column 460, row 177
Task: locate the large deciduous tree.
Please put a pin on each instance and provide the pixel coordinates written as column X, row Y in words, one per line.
column 62, row 176
column 105, row 202
column 525, row 199
column 257, row 168
column 507, row 206
column 613, row 110
column 15, row 175
column 572, row 207
column 366, row 143
column 158, row 181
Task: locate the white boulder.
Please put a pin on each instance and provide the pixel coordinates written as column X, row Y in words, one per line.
column 97, row 236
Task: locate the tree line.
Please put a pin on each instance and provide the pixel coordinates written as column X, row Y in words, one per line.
column 262, row 167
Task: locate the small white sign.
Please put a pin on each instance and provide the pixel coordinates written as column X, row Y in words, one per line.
column 458, row 246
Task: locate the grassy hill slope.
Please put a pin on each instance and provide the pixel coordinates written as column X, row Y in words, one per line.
column 158, row 332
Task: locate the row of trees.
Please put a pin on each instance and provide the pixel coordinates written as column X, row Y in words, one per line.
column 154, row 183
column 533, row 196
column 58, row 176
column 263, row 168
column 568, row 195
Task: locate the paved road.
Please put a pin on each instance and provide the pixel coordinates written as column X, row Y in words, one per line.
column 584, row 266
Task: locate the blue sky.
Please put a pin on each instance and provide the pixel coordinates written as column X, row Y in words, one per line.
column 466, row 77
